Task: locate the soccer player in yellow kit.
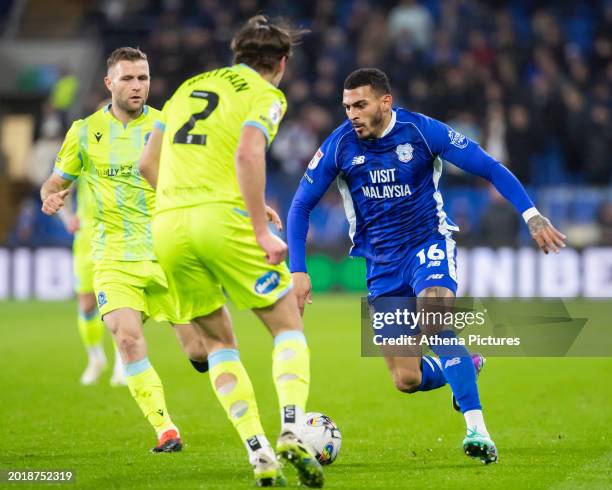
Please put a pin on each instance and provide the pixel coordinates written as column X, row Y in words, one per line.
column 91, row 328
column 103, row 150
column 207, row 158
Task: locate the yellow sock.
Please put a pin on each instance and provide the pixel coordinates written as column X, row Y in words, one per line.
column 91, row 328
column 146, row 388
column 236, row 394
column 291, row 371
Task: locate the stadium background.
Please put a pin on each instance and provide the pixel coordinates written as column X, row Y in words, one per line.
column 530, row 80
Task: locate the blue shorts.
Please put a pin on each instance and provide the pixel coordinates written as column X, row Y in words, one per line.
column 432, row 262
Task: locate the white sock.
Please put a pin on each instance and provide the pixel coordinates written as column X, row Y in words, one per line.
column 256, row 443
column 96, row 354
column 474, row 419
column 292, row 417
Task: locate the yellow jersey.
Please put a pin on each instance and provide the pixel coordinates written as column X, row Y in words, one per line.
column 105, row 154
column 202, row 123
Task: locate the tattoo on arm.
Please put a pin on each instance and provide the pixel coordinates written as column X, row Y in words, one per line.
column 537, row 224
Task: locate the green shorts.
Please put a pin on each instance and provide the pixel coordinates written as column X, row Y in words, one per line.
column 208, row 249
column 141, row 286
column 82, row 265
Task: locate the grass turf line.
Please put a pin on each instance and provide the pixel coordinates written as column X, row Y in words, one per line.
column 549, row 417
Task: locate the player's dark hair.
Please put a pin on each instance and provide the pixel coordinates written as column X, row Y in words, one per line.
column 261, row 44
column 375, row 78
column 125, row 54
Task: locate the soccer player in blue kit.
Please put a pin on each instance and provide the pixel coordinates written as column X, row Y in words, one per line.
column 388, row 162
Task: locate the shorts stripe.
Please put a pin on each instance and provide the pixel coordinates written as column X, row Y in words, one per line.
column 450, row 255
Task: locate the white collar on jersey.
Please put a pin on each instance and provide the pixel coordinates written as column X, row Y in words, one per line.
column 390, row 126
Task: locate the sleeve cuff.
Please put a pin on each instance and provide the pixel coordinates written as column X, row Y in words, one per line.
column 64, row 175
column 260, row 126
column 159, row 125
column 530, row 213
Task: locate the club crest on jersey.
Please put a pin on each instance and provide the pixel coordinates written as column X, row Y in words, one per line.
column 276, row 112
column 315, row 160
column 457, row 139
column 404, row 152
column 102, row 298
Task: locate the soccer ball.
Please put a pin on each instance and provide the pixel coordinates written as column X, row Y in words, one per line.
column 322, row 435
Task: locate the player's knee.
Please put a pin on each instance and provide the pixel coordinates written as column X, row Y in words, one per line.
column 406, row 381
column 130, row 346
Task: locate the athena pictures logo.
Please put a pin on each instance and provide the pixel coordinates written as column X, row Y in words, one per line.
column 404, row 152
column 457, row 139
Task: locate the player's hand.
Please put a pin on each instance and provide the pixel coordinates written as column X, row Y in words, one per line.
column 545, row 234
column 275, row 248
column 73, row 224
column 303, row 289
column 274, row 218
column 54, row 202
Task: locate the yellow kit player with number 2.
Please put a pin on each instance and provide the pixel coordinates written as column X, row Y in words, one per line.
column 207, row 158
column 103, row 151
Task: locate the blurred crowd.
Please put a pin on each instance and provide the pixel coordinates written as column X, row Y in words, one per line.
column 530, row 81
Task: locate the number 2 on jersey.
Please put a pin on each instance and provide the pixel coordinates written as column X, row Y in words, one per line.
column 182, row 135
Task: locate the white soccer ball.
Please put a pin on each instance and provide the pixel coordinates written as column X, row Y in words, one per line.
column 322, row 435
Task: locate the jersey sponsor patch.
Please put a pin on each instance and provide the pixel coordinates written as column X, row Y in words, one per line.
column 276, row 112
column 457, row 139
column 315, row 160
column 404, row 152
column 267, row 283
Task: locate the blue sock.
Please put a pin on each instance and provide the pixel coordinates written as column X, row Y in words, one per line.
column 432, row 375
column 459, row 373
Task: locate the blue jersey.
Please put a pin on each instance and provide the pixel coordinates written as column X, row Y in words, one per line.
column 390, row 186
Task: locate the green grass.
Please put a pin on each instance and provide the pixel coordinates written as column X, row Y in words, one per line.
column 550, row 418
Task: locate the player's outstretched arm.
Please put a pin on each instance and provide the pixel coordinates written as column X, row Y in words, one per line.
column 251, row 174
column 149, row 161
column 469, row 156
column 321, row 172
column 53, row 192
column 545, row 234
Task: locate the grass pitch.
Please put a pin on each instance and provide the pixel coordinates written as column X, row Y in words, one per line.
column 551, row 418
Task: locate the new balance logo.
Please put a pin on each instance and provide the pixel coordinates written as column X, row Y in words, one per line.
column 360, row 160
column 98, row 136
column 452, row 362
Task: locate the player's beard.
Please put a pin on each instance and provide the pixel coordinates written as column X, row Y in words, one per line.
column 126, row 107
column 374, row 125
